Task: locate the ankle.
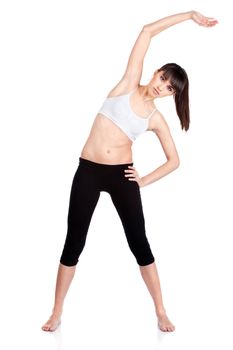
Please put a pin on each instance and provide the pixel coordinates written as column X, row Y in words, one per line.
column 160, row 311
column 57, row 311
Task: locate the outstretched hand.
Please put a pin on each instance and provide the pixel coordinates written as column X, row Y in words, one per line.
column 202, row 20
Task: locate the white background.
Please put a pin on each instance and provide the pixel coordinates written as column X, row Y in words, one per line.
column 58, row 61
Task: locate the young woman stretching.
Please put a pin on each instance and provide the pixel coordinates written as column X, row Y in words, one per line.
column 106, row 162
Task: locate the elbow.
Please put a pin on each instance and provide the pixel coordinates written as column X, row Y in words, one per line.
column 177, row 164
column 146, row 29
column 174, row 163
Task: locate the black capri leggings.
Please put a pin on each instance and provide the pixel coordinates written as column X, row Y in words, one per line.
column 89, row 180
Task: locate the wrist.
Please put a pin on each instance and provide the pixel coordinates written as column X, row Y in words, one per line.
column 142, row 182
column 191, row 14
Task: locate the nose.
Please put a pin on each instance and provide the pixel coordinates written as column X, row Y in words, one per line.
column 160, row 87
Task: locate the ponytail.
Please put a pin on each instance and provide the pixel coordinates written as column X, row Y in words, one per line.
column 179, row 80
column 182, row 106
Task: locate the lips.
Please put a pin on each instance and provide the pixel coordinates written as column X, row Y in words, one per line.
column 156, row 91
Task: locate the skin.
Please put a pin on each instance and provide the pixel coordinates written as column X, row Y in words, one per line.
column 160, row 127
column 108, row 144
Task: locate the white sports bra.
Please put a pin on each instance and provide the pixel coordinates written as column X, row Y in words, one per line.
column 118, row 109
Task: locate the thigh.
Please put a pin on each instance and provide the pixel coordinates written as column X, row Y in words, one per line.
column 126, row 198
column 84, row 196
column 83, row 199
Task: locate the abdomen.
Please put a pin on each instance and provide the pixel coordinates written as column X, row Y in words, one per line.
column 107, row 143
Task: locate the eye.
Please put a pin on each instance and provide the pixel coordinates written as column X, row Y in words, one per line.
column 170, row 88
column 162, row 77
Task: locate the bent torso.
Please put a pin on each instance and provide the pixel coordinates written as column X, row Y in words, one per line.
column 107, row 143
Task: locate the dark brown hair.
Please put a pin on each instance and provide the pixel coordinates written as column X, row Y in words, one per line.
column 179, row 81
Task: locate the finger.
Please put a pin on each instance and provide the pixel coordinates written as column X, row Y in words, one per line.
column 130, row 175
column 129, row 171
column 212, row 23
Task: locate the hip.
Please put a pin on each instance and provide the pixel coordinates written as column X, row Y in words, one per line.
column 103, row 177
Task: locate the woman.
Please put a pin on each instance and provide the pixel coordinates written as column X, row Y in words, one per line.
column 106, row 163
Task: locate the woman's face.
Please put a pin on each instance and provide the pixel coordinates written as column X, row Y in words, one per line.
column 159, row 86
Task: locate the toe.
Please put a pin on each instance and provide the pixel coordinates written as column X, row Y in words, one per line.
column 46, row 327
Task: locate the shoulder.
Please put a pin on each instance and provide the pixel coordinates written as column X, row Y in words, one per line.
column 123, row 87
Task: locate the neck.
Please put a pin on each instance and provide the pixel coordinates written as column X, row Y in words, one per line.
column 143, row 90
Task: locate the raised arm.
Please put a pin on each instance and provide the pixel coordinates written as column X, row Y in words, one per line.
column 135, row 63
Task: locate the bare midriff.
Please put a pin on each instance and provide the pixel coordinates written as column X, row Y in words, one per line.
column 107, row 143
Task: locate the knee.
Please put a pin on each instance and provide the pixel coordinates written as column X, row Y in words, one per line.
column 69, row 257
column 143, row 254
column 145, row 262
column 68, row 261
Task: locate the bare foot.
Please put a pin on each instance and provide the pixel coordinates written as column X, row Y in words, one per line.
column 52, row 324
column 164, row 323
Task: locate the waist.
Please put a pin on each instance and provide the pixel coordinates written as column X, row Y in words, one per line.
column 102, row 152
column 96, row 165
column 106, row 155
